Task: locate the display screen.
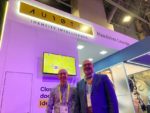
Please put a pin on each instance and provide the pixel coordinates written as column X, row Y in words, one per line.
column 53, row 62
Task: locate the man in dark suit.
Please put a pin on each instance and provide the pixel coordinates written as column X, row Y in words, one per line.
column 95, row 93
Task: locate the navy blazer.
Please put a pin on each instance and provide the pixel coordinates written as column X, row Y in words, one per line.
column 103, row 97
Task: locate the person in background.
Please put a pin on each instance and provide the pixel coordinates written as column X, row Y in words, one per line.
column 62, row 97
column 95, row 93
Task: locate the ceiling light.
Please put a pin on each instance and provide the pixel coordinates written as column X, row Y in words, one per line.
column 80, row 65
column 103, row 52
column 91, row 59
column 126, row 19
column 80, row 47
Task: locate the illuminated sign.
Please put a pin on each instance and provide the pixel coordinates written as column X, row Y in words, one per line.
column 2, row 22
column 42, row 14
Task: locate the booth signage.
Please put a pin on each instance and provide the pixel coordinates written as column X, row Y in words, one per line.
column 3, row 20
column 43, row 103
column 48, row 16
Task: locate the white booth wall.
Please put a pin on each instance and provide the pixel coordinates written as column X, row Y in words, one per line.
column 122, row 88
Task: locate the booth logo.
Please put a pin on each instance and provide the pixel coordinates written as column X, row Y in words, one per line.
column 43, row 103
column 42, row 14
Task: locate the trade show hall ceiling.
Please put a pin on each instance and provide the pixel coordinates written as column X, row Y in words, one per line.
column 59, row 4
column 137, row 13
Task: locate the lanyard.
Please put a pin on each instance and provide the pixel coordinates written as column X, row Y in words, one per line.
column 60, row 94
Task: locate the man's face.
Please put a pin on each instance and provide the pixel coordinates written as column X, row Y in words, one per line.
column 88, row 68
column 63, row 76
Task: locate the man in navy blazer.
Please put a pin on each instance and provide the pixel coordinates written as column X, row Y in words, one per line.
column 95, row 93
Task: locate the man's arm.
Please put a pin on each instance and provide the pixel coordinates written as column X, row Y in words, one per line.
column 77, row 101
column 110, row 95
column 50, row 103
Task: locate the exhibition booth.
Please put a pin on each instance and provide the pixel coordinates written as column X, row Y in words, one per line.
column 38, row 40
column 130, row 99
column 129, row 71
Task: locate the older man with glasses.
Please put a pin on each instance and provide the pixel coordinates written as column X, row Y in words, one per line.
column 62, row 97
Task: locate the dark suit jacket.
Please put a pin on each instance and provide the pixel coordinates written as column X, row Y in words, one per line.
column 103, row 97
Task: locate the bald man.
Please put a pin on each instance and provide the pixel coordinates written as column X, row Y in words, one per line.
column 62, row 97
column 95, row 93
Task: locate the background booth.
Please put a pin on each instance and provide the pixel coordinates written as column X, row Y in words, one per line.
column 129, row 70
column 120, row 74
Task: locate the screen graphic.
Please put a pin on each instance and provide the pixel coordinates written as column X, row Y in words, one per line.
column 52, row 63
